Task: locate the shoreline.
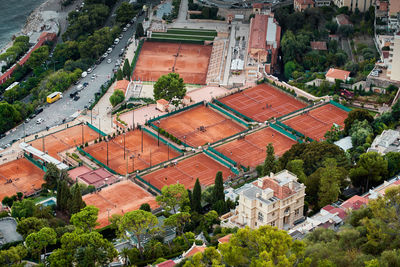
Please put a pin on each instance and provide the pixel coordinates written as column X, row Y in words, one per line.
column 46, row 13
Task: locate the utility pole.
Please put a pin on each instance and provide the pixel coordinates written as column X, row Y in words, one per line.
column 133, row 119
column 43, row 144
column 150, row 157
column 91, row 116
column 142, row 139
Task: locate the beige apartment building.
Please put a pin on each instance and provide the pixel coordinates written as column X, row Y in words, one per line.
column 393, row 71
column 362, row 5
column 276, row 200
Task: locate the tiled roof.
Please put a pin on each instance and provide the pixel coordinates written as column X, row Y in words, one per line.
column 168, row 263
column 162, row 101
column 193, row 250
column 258, row 32
column 318, row 45
column 305, row 2
column 98, row 177
column 121, row 85
column 354, row 203
column 337, row 74
column 342, row 19
column 225, row 239
column 280, row 192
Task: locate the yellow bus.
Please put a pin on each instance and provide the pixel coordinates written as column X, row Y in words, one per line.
column 53, row 97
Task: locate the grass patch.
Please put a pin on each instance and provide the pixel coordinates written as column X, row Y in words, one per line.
column 182, row 36
column 193, row 32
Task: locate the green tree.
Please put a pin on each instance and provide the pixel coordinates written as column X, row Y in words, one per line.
column 63, row 195
column 359, row 132
column 269, row 163
column 393, row 159
column 139, row 223
column 170, row 87
column 13, row 256
column 139, row 30
column 127, row 70
column 296, row 167
column 210, row 257
column 23, row 209
column 52, row 176
column 30, row 225
column 289, row 68
column 329, row 183
column 120, row 76
column 196, row 198
column 38, row 57
column 125, row 12
column 9, row 116
column 265, row 246
column 117, row 97
column 145, row 207
column 37, row 242
column 83, row 249
column 179, row 221
column 86, row 219
column 76, row 202
column 356, row 114
column 172, row 196
column 218, row 193
column 369, row 171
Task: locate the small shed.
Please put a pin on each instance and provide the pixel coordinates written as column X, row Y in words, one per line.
column 162, row 105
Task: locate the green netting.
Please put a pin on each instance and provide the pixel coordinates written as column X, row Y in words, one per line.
column 336, row 104
column 293, row 112
column 96, row 129
column 284, row 132
column 228, row 114
column 232, row 110
column 221, row 161
column 136, row 56
column 193, row 31
column 162, row 139
column 97, row 161
column 35, row 162
column 147, row 183
column 223, row 156
column 173, row 40
column 284, row 126
column 181, row 36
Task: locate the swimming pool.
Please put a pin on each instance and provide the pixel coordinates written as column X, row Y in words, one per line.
column 48, row 202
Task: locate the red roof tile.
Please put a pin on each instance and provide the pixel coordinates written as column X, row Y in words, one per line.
column 338, row 74
column 225, row 239
column 168, row 263
column 342, row 19
column 280, row 192
column 354, row 203
column 162, row 101
column 194, row 250
column 258, row 32
column 318, row 45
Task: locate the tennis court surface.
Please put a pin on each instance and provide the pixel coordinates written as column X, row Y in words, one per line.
column 187, row 171
column 118, row 198
column 199, row 125
column 316, row 122
column 262, row 102
column 251, row 150
column 65, row 139
column 135, row 158
column 20, row 176
column 159, row 58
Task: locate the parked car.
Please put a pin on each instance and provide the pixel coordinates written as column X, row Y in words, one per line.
column 89, row 70
column 109, row 60
column 116, row 41
column 73, row 94
column 105, row 55
column 124, row 29
column 109, row 50
column 121, row 36
column 84, row 74
column 85, row 84
column 76, row 98
column 39, row 121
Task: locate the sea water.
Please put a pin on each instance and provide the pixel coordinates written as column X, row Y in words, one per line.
column 13, row 15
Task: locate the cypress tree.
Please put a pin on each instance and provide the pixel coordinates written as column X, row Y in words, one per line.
column 269, row 163
column 219, row 188
column 120, row 75
column 76, row 203
column 196, row 199
column 126, row 69
column 63, row 195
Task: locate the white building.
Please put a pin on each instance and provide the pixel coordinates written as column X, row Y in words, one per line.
column 388, row 141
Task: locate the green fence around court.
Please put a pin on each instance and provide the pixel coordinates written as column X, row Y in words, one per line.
column 147, row 183
column 35, row 162
column 284, row 132
column 136, row 56
column 162, row 139
column 231, row 161
column 232, row 110
column 293, row 112
column 223, row 162
column 182, row 36
column 284, row 126
column 193, row 31
column 336, row 104
column 97, row 161
column 174, row 40
column 175, row 111
column 97, row 130
column 228, row 114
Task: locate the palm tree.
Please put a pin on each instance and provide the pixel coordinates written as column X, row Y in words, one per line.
column 124, row 254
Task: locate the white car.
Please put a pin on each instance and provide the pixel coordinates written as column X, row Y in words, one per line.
column 116, row 41
column 89, row 70
column 39, row 121
column 125, row 29
column 109, row 60
column 109, row 50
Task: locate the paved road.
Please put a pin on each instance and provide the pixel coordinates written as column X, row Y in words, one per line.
column 53, row 114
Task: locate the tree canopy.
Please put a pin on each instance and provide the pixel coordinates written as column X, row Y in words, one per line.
column 172, row 196
column 170, row 87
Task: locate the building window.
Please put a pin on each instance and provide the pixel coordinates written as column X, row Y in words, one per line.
column 255, row 223
column 273, row 223
column 287, row 210
column 273, row 214
column 296, row 212
column 260, row 204
column 260, row 216
column 273, row 206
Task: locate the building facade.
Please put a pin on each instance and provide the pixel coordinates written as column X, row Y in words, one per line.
column 393, row 71
column 361, row 5
column 264, row 43
column 301, row 5
column 276, row 200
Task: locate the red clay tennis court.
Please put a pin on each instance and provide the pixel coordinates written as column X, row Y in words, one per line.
column 251, row 150
column 65, row 139
column 187, row 171
column 200, row 125
column 262, row 102
column 135, row 158
column 315, row 123
column 118, row 198
column 20, row 176
column 158, row 58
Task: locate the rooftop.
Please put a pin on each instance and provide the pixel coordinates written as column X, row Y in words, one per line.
column 337, row 74
column 225, row 239
column 343, row 19
column 162, row 101
column 354, row 203
column 318, row 46
column 98, row 177
column 193, row 250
